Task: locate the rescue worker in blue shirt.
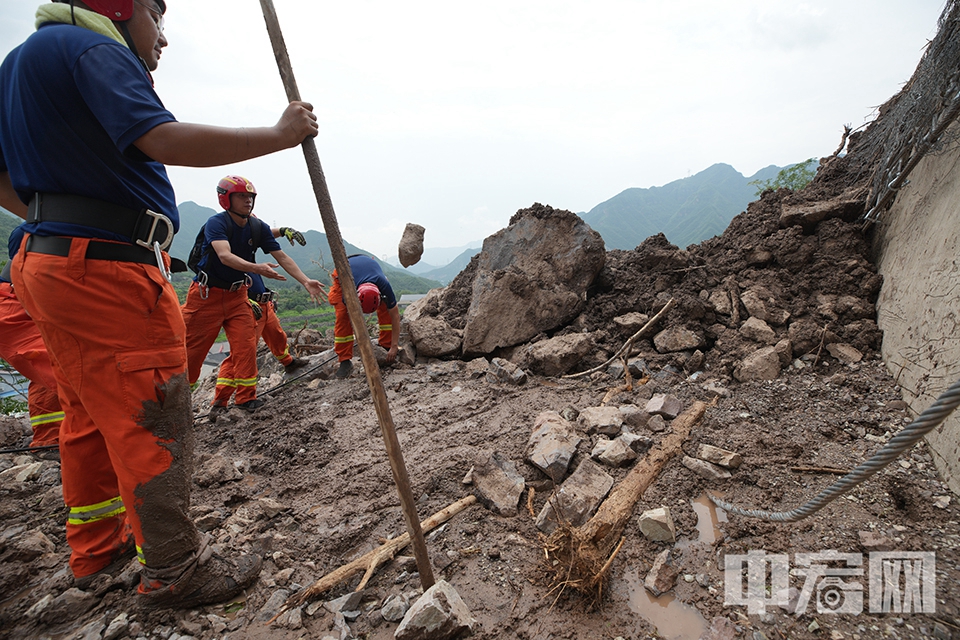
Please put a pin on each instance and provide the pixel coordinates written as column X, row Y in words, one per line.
column 218, row 295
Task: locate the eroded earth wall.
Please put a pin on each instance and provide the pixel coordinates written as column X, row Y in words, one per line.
column 918, row 244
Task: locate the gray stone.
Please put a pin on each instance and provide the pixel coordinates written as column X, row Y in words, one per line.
column 657, row 525
column 69, row 605
column 872, row 541
column 722, row 457
column 394, row 608
column 497, row 484
column 411, row 245
column 694, row 362
column 666, row 405
column 715, row 389
column 271, row 508
column 763, row 364
column 784, row 351
column 613, row 453
column 554, row 356
column 605, row 420
column 845, row 353
column 439, row 614
column 662, row 576
column 209, row 521
column 216, row 470
column 552, row 445
column 676, row 339
column 505, row 371
column 757, row 330
column 21, row 473
column 706, row 469
column 656, row 424
column 433, row 337
column 273, row 604
column 577, row 498
column 530, row 278
column 634, row 416
column 290, row 619
column 347, row 602
column 639, row 444
column 720, row 300
column 631, row 322
column 31, row 545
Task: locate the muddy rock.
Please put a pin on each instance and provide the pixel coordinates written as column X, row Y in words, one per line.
column 554, row 356
column 845, row 353
column 577, row 498
column 434, row 338
column 439, row 614
column 552, row 445
column 613, row 453
column 665, row 405
column 662, row 576
column 763, row 364
column 498, row 485
column 677, row 339
column 604, row 420
column 216, row 470
column 530, row 278
column 757, row 330
column 705, row 469
column 411, row 245
column 722, row 457
column 501, row 370
column 657, row 525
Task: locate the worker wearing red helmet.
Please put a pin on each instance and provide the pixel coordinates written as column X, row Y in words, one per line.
column 83, row 143
column 375, row 294
column 218, row 294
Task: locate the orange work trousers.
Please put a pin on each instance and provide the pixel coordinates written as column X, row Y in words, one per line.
column 116, row 340
column 343, row 337
column 268, row 327
column 204, row 316
column 22, row 346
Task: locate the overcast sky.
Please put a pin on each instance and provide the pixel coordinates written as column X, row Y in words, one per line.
column 455, row 115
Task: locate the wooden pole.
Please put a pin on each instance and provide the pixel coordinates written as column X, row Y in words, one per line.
column 370, row 366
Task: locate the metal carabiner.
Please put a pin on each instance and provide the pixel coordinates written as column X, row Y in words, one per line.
column 157, row 218
column 163, row 268
column 202, row 285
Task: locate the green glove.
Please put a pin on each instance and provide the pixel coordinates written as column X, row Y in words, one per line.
column 293, row 234
column 257, row 311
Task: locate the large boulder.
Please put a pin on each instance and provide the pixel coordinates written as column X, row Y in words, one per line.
column 530, row 278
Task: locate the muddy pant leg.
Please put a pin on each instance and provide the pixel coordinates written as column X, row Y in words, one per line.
column 241, row 330
column 116, row 338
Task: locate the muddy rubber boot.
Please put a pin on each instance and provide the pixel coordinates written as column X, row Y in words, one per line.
column 346, row 368
column 212, row 580
column 251, row 405
column 295, row 364
column 121, row 560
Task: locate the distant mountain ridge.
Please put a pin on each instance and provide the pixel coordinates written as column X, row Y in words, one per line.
column 687, row 211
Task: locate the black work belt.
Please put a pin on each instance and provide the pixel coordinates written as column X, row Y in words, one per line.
column 96, row 250
column 204, row 279
column 263, row 298
column 143, row 227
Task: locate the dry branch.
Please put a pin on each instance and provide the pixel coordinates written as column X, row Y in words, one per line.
column 583, row 553
column 629, row 343
column 369, row 562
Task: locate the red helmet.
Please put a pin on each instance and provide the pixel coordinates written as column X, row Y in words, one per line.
column 116, row 10
column 233, row 184
column 369, row 297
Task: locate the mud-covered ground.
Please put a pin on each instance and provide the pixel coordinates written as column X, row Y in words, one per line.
column 316, row 449
column 306, row 482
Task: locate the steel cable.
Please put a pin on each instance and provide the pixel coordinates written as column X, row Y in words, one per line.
column 924, row 424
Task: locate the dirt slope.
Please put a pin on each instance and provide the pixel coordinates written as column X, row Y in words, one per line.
column 316, row 450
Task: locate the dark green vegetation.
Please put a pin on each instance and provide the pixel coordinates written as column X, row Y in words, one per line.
column 687, row 211
column 8, row 222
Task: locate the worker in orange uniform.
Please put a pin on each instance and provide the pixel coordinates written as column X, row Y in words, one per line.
column 375, row 294
column 22, row 347
column 83, row 143
column 268, row 325
column 218, row 297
